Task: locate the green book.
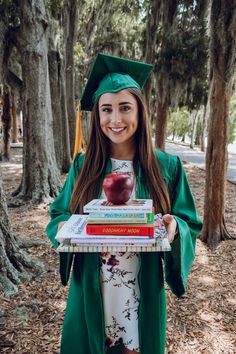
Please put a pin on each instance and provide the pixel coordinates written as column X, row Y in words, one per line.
column 120, row 218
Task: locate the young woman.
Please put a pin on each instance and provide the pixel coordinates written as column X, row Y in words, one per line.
column 116, row 302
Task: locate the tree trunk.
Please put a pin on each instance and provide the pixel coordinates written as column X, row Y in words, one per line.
column 161, row 124
column 66, row 157
column 163, row 96
column 14, row 119
column 70, row 33
column 85, row 127
column 223, row 56
column 40, row 173
column 54, row 67
column 3, row 29
column 5, row 50
column 203, row 132
column 13, row 261
column 152, row 23
column 194, row 127
column 6, row 125
column 173, row 135
column 57, row 90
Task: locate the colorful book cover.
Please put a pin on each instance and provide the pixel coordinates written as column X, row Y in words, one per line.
column 123, row 230
column 146, row 229
column 117, row 218
column 135, row 205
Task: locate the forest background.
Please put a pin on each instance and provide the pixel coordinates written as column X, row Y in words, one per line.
column 46, row 50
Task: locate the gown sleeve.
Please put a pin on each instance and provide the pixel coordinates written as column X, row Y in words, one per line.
column 178, row 261
column 59, row 211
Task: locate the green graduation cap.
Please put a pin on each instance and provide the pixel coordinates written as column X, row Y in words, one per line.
column 113, row 74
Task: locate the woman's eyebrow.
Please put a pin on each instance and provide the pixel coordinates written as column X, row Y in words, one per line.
column 125, row 103
column 106, row 104
column 110, row 105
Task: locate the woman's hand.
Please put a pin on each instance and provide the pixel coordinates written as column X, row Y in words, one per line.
column 171, row 226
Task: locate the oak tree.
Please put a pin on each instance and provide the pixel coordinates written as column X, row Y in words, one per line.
column 222, row 66
column 40, row 173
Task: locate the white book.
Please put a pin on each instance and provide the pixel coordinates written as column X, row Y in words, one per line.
column 110, row 241
column 161, row 245
column 135, row 205
column 73, row 227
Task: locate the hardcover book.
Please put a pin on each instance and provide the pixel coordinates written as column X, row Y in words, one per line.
column 160, row 245
column 117, row 218
column 72, row 228
column 135, row 205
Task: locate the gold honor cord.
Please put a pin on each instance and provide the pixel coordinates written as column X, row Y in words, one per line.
column 79, row 134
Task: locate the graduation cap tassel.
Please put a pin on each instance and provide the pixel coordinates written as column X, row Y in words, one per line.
column 79, row 134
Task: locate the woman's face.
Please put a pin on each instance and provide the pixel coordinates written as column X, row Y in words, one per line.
column 118, row 114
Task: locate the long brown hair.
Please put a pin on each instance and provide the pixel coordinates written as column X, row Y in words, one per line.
column 89, row 180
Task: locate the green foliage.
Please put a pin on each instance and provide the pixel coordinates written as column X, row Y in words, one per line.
column 108, row 26
column 178, row 123
column 181, row 56
column 115, row 25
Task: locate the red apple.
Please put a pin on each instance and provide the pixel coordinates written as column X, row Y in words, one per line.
column 118, row 187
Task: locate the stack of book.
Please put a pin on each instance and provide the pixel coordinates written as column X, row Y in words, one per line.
column 106, row 227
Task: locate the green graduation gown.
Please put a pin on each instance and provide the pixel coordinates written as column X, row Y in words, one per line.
column 84, row 327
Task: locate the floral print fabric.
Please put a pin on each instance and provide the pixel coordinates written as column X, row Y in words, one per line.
column 120, row 289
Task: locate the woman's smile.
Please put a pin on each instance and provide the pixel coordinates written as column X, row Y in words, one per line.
column 117, row 130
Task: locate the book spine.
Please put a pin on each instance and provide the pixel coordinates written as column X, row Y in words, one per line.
column 118, row 215
column 120, row 218
column 108, row 230
column 144, row 240
column 116, row 221
column 115, row 210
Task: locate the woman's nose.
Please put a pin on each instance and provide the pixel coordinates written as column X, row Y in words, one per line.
column 115, row 117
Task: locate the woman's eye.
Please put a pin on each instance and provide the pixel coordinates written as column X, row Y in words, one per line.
column 125, row 108
column 107, row 110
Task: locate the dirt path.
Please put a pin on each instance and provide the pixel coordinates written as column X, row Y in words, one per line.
column 203, row 321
